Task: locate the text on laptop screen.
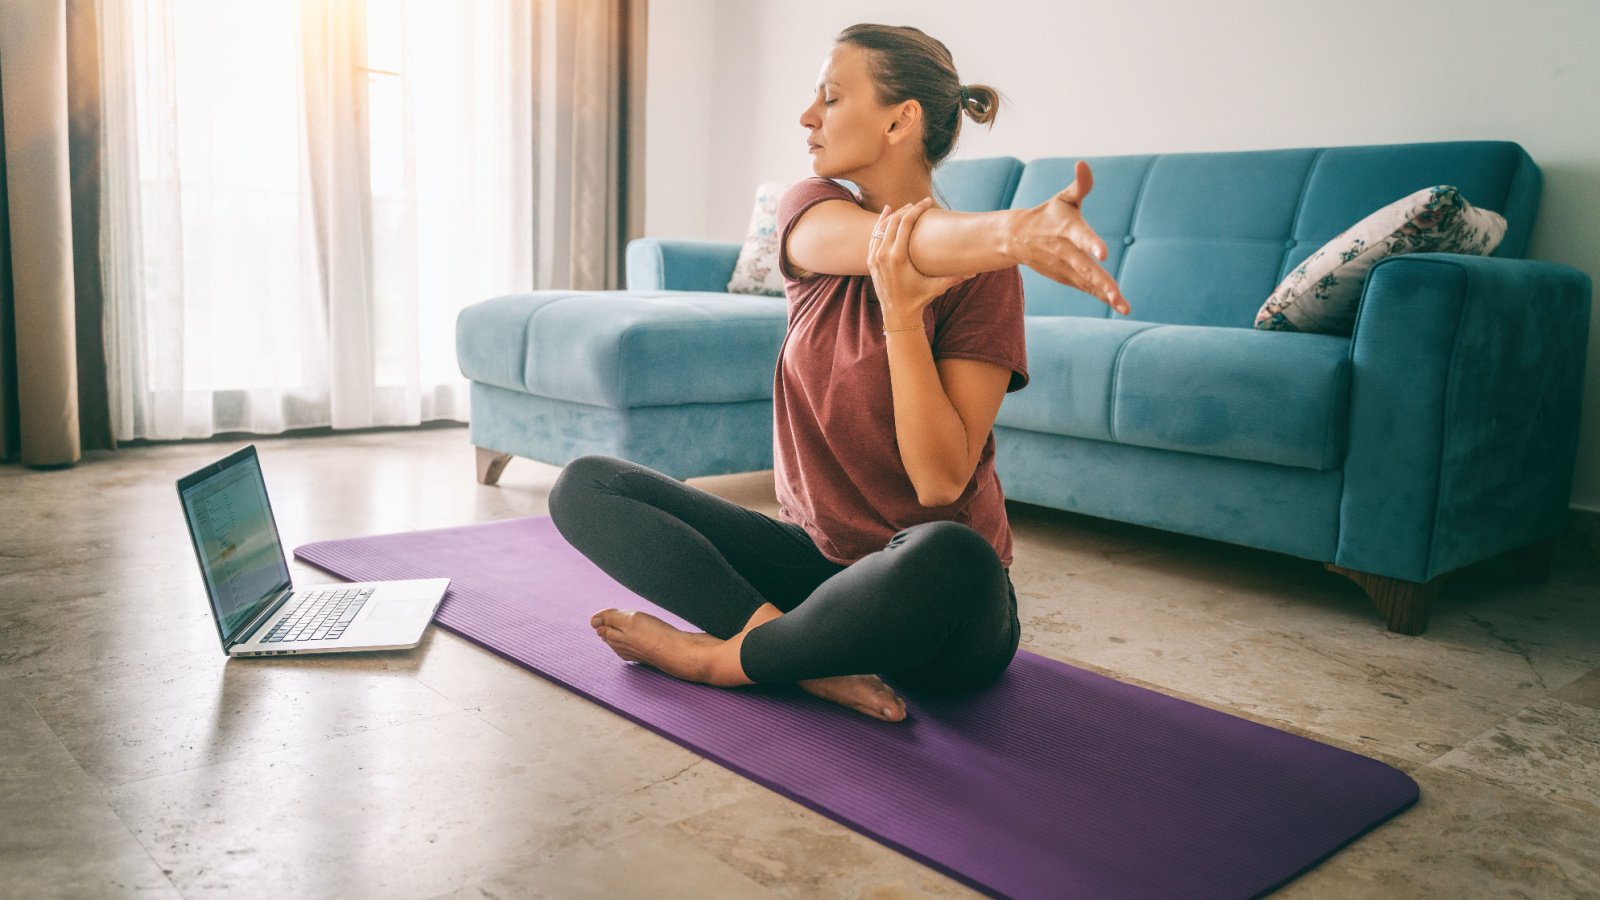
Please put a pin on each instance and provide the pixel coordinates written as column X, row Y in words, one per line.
column 239, row 550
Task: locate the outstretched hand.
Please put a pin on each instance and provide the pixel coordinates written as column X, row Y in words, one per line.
column 903, row 291
column 1054, row 240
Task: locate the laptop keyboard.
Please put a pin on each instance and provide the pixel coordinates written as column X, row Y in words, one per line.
column 321, row 616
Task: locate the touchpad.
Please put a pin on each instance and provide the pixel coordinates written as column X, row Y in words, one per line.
column 400, row 609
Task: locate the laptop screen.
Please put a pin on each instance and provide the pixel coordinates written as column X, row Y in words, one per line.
column 235, row 538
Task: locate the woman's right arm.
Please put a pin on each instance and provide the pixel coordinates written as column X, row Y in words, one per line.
column 1052, row 238
column 831, row 238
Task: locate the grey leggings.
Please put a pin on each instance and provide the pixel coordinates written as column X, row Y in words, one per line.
column 933, row 609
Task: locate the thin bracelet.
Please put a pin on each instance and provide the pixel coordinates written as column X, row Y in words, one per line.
column 907, row 328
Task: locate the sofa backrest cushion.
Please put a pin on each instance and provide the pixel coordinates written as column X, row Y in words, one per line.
column 977, row 185
column 1203, row 238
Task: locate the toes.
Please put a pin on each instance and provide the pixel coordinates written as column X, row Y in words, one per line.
column 896, row 710
column 612, row 617
column 887, row 713
column 890, row 709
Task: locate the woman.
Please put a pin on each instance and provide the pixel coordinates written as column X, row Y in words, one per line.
column 891, row 555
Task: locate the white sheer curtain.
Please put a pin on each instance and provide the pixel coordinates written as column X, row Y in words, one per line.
column 300, row 197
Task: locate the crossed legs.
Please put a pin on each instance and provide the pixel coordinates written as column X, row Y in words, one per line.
column 933, row 608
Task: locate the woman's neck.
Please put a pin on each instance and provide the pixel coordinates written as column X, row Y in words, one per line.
column 893, row 190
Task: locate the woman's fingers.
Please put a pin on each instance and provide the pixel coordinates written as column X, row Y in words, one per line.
column 1091, row 243
column 1080, row 270
column 891, row 232
column 876, row 240
column 1098, row 283
column 1082, row 183
column 908, row 222
column 1084, row 253
column 888, row 227
column 1084, row 238
column 1077, row 229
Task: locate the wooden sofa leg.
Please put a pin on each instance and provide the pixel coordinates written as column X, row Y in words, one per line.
column 1532, row 563
column 490, row 464
column 1404, row 604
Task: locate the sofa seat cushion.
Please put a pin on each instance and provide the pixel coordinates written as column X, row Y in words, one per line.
column 625, row 349
column 1210, row 390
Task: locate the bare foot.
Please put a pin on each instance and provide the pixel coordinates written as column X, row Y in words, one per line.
column 641, row 637
column 863, row 693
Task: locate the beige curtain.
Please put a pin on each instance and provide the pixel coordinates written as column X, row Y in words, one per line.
column 584, row 178
column 53, row 397
column 589, row 134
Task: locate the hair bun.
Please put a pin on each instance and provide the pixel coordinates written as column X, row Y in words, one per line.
column 981, row 102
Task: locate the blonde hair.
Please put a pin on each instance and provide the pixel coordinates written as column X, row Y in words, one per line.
column 907, row 64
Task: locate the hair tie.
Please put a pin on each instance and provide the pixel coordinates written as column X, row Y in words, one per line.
column 964, row 95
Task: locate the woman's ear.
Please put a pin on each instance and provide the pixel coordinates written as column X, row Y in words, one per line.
column 905, row 120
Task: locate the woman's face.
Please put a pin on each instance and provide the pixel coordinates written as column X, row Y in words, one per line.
column 846, row 127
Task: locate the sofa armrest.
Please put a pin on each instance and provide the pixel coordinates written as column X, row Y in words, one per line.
column 1466, row 382
column 657, row 264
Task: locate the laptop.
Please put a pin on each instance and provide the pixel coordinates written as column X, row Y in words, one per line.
column 259, row 612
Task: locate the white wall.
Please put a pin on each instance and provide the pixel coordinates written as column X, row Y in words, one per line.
column 680, row 50
column 1152, row 76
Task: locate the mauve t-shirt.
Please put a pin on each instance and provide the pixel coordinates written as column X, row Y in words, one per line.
column 837, row 464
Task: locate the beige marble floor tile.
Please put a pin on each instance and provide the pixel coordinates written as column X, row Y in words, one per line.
column 58, row 835
column 182, row 710
column 1551, row 750
column 1238, row 640
column 657, row 777
column 695, row 789
column 652, row 775
column 411, row 811
column 647, row 861
column 1465, row 838
column 52, row 629
column 799, row 853
column 1584, row 691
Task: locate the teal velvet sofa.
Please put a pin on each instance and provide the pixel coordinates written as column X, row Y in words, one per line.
column 1441, row 433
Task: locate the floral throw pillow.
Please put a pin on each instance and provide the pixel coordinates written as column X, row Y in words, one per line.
column 1321, row 294
column 757, row 272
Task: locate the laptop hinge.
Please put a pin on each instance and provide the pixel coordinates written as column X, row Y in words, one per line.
column 249, row 630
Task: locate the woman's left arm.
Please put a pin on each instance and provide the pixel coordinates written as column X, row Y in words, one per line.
column 942, row 412
column 942, row 416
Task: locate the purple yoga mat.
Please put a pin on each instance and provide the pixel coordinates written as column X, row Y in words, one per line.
column 1054, row 782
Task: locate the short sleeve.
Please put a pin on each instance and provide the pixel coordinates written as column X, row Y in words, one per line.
column 983, row 319
column 801, row 196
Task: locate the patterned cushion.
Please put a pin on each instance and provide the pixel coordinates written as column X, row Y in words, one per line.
column 1321, row 294
column 756, row 272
